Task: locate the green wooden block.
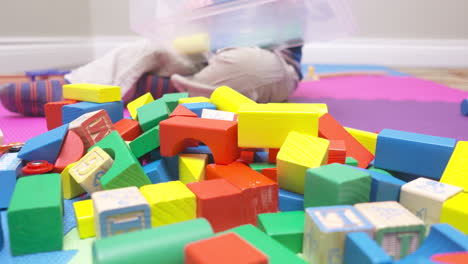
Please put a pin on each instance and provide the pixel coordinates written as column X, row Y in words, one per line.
column 261, row 165
column 146, row 142
column 276, row 252
column 351, row 162
column 286, row 228
column 35, row 215
column 172, row 100
column 336, row 184
column 126, row 171
column 164, row 244
column 149, row 115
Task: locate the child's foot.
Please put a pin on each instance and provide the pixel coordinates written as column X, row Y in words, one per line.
column 29, row 98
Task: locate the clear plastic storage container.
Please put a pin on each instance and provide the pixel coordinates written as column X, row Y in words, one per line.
column 224, row 23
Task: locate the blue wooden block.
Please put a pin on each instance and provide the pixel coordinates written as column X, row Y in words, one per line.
column 261, row 156
column 1, row 234
column 384, row 187
column 413, row 153
column 45, row 146
column 360, row 248
column 157, row 171
column 289, row 201
column 197, row 108
column 464, row 107
column 172, row 165
column 10, row 169
column 73, row 111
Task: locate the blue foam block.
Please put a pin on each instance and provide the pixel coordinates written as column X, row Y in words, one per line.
column 464, row 107
column 73, row 111
column 45, row 146
column 289, row 201
column 413, row 153
column 157, row 171
column 360, row 248
column 10, row 169
column 261, row 156
column 197, row 108
column 172, row 165
column 384, row 187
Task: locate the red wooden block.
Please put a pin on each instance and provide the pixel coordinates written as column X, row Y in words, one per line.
column 128, row 129
column 92, row 127
column 219, row 135
column 181, row 110
column 271, row 173
column 337, row 152
column 228, row 248
column 451, row 258
column 330, row 129
column 246, row 157
column 272, row 153
column 53, row 113
column 259, row 194
column 72, row 150
column 219, row 202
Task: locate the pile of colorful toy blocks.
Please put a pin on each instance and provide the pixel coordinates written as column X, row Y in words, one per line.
column 226, row 180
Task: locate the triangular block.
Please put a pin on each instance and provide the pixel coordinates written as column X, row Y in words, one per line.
column 181, row 110
column 45, row 146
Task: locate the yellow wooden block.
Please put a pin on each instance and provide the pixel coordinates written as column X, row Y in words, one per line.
column 367, row 139
column 192, row 167
column 198, row 99
column 139, row 102
column 88, row 171
column 456, row 172
column 192, row 44
column 70, row 187
column 228, row 99
column 268, row 125
column 321, row 109
column 84, row 215
column 170, row 202
column 299, row 153
column 454, row 212
column 92, row 92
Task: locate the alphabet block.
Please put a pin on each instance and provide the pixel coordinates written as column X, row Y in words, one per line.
column 228, row 99
column 157, row 171
column 44, row 146
column 137, row 103
column 396, row 229
column 367, row 139
column 456, row 172
column 120, row 211
column 454, row 212
column 413, row 153
column 170, row 202
column 92, row 127
column 72, row 150
column 146, row 142
column 70, row 187
column 91, row 92
column 73, row 111
column 268, row 125
column 128, row 129
column 149, row 115
column 219, row 202
column 53, row 113
column 89, row 170
column 172, row 99
column 35, row 215
column 84, row 214
column 298, row 153
column 360, row 248
column 10, row 169
column 326, row 229
column 192, row 167
column 197, row 108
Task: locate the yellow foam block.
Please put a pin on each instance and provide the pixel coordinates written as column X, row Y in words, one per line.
column 139, row 102
column 456, row 172
column 228, row 99
column 198, row 99
column 268, row 125
column 367, row 139
column 92, row 92
column 192, row 167
column 84, row 215
column 298, row 153
column 454, row 212
column 193, row 44
column 70, row 187
column 170, row 202
column 321, row 109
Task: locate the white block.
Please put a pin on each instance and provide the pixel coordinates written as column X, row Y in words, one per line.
column 218, row 115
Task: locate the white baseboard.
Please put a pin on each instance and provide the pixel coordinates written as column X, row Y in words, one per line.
column 20, row 54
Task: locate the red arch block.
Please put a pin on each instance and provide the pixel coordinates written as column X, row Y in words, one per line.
column 219, row 135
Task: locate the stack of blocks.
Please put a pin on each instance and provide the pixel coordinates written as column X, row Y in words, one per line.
column 201, row 180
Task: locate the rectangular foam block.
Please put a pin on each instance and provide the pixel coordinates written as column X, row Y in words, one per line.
column 289, row 201
column 73, row 111
column 413, row 153
column 53, row 113
column 367, row 139
column 128, row 129
column 227, row 99
column 149, row 115
column 197, row 99
column 35, row 215
column 92, row 92
column 146, row 142
column 10, row 169
column 456, row 172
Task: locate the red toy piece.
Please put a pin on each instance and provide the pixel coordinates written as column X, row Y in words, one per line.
column 451, row 258
column 53, row 113
column 246, row 156
column 128, row 129
column 272, row 153
column 337, row 152
column 72, row 150
column 219, row 135
column 181, row 110
column 37, row 167
column 271, row 173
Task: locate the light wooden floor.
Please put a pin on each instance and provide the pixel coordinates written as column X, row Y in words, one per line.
column 456, row 78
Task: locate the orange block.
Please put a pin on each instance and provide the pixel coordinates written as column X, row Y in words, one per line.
column 451, row 258
column 271, row 173
column 259, row 194
column 246, row 156
column 72, row 150
column 337, row 152
column 272, row 153
column 92, row 127
column 181, row 110
column 53, row 113
column 128, row 129
column 228, row 248
column 220, row 136
column 330, row 129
